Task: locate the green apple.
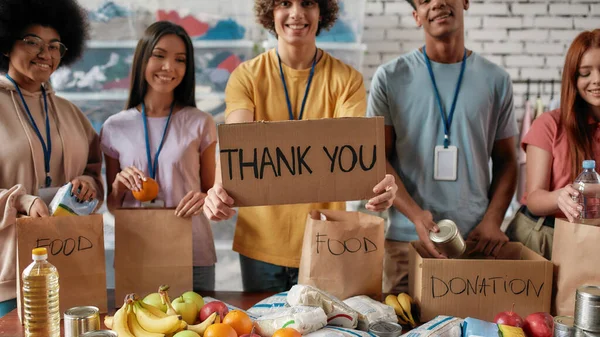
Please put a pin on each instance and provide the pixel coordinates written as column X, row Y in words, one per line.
column 186, row 333
column 155, row 301
column 186, row 308
column 194, row 297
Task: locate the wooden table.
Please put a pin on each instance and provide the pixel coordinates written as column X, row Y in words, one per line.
column 10, row 326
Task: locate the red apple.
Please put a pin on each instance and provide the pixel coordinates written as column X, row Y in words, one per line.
column 539, row 324
column 509, row 318
column 216, row 306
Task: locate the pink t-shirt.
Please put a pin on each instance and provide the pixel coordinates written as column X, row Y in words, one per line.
column 548, row 133
column 190, row 132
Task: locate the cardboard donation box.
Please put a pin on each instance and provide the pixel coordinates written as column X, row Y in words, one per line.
column 480, row 288
column 288, row 162
column 75, row 246
column 152, row 247
column 575, row 253
column 342, row 253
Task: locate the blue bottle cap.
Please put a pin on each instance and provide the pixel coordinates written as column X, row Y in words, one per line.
column 589, row 164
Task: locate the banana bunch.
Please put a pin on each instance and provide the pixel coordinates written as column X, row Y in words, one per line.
column 402, row 307
column 138, row 319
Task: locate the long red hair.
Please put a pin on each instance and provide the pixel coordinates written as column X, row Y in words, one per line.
column 573, row 109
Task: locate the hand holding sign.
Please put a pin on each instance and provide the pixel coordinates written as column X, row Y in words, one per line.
column 386, row 192
column 218, row 204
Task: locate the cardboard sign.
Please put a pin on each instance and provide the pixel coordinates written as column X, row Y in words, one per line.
column 480, row 288
column 152, row 247
column 75, row 247
column 288, row 162
column 336, row 245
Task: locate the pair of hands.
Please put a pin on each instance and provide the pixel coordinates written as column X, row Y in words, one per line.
column 131, row 178
column 82, row 189
column 566, row 204
column 219, row 205
column 487, row 236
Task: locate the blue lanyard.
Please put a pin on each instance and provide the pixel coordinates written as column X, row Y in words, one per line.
column 46, row 146
column 447, row 122
column 152, row 165
column 287, row 96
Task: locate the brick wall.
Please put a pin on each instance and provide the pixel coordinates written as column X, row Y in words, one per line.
column 528, row 38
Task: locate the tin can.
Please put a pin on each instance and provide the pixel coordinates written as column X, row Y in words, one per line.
column 583, row 333
column 385, row 329
column 81, row 319
column 99, row 333
column 564, row 326
column 587, row 308
column 448, row 240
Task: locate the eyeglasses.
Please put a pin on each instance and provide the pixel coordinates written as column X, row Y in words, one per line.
column 35, row 45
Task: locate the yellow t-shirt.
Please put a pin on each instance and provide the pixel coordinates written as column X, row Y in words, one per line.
column 274, row 234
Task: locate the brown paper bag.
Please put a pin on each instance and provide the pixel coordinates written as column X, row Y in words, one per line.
column 152, row 247
column 342, row 253
column 575, row 256
column 75, row 247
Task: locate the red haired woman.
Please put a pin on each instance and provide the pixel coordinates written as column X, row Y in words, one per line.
column 556, row 145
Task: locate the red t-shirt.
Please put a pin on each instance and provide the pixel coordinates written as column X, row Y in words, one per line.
column 548, row 133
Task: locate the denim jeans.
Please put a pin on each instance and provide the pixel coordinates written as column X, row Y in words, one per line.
column 204, row 278
column 7, row 306
column 259, row 276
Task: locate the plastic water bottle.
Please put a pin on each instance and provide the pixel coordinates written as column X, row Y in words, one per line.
column 40, row 297
column 588, row 185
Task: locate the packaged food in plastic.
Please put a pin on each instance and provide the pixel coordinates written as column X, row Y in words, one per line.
column 510, row 331
column 473, row 327
column 302, row 318
column 336, row 331
column 64, row 203
column 370, row 311
column 338, row 313
column 440, row 326
column 270, row 304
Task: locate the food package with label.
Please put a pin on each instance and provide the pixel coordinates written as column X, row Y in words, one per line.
column 302, row 318
column 336, row 331
column 66, row 203
column 370, row 311
column 473, row 327
column 510, row 331
column 208, row 299
column 440, row 326
column 270, row 304
column 338, row 312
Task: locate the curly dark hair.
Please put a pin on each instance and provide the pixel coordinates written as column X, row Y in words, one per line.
column 264, row 14
column 65, row 16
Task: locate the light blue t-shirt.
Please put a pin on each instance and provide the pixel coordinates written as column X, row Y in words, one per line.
column 402, row 92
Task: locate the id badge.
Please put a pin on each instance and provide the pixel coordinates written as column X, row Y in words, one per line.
column 47, row 194
column 445, row 163
column 156, row 203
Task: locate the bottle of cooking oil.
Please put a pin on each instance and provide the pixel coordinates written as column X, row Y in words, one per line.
column 40, row 297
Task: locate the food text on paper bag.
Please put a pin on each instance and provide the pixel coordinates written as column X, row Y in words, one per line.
column 485, row 286
column 64, row 246
column 266, row 163
column 327, row 245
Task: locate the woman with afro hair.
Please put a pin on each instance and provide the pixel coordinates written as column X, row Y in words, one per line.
column 46, row 140
column 294, row 81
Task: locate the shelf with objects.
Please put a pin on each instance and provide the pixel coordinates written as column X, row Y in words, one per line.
column 99, row 82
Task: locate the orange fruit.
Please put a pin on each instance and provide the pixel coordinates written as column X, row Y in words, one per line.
column 287, row 332
column 148, row 192
column 220, row 330
column 239, row 321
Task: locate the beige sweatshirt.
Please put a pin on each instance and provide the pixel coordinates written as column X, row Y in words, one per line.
column 75, row 153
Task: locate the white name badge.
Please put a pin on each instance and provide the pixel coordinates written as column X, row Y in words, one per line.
column 445, row 163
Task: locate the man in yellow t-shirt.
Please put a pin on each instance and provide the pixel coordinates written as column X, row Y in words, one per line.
column 296, row 80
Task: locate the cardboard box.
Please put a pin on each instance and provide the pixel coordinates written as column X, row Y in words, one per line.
column 480, row 288
column 288, row 162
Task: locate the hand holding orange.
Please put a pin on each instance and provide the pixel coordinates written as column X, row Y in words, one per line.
column 148, row 192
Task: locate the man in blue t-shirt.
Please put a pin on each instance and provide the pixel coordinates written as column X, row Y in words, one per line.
column 447, row 111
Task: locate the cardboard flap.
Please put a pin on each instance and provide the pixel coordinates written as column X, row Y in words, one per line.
column 288, row 162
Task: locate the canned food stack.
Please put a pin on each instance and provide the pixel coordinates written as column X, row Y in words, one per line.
column 587, row 311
